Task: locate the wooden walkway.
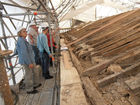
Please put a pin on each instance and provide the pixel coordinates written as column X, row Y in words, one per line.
column 44, row 97
column 71, row 92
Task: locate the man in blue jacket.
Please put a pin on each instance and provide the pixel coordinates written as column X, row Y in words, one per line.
column 26, row 59
column 42, row 44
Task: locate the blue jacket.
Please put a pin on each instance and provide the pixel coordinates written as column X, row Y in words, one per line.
column 42, row 43
column 24, row 51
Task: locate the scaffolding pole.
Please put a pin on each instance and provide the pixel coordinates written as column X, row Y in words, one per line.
column 3, row 31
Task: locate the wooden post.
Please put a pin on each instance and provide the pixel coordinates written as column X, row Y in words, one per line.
column 4, row 84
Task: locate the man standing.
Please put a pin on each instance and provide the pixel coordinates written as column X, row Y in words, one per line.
column 42, row 44
column 32, row 38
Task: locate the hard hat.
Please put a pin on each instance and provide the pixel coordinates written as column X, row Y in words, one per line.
column 45, row 24
column 20, row 28
column 31, row 24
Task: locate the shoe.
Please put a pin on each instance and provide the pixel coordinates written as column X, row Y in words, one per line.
column 37, row 86
column 32, row 92
column 48, row 77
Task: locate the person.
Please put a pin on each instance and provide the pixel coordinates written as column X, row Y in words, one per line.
column 45, row 55
column 26, row 59
column 49, row 43
column 32, row 38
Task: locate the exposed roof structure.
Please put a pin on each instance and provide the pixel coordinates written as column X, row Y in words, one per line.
column 102, row 37
column 106, row 55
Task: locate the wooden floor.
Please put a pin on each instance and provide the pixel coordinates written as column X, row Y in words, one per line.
column 44, row 97
column 71, row 92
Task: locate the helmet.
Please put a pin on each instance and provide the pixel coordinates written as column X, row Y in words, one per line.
column 45, row 24
column 31, row 24
column 19, row 28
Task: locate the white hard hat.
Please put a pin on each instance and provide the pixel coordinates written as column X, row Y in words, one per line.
column 45, row 24
column 20, row 28
column 31, row 24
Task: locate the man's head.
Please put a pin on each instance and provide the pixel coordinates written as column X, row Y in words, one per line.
column 21, row 32
column 45, row 30
column 33, row 25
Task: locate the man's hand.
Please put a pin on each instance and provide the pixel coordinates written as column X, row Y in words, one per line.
column 52, row 57
column 31, row 66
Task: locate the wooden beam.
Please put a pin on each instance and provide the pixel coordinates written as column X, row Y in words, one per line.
column 103, row 42
column 94, row 70
column 76, row 62
column 134, row 84
column 132, row 38
column 122, row 33
column 105, row 26
column 4, row 83
column 112, row 78
column 93, row 94
column 123, row 48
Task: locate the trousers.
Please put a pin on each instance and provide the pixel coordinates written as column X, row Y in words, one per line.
column 45, row 63
column 31, row 77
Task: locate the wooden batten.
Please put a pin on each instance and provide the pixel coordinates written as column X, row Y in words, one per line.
column 93, row 94
column 112, row 78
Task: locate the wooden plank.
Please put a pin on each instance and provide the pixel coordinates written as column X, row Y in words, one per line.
column 119, row 29
column 124, row 32
column 112, row 78
column 93, row 26
column 71, row 92
column 4, row 83
column 123, row 48
column 121, row 42
column 46, row 98
column 5, row 52
column 103, row 27
column 94, row 70
column 93, row 94
column 76, row 62
column 104, row 41
column 72, row 95
column 30, row 98
column 35, row 100
column 134, row 84
column 68, row 76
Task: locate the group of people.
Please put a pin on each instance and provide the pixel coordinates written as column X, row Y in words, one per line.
column 35, row 51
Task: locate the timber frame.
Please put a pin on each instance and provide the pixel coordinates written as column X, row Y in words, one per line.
column 95, row 47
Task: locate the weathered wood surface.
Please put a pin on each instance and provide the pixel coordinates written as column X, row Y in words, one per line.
column 4, row 83
column 71, row 89
column 44, row 97
column 134, row 84
column 103, row 65
column 93, row 94
column 116, row 19
column 112, row 78
column 5, row 52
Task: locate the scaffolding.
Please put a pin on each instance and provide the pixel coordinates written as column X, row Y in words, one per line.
column 44, row 14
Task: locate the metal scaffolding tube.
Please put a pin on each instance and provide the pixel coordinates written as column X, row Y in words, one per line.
column 3, row 31
column 43, row 5
column 23, row 19
column 10, row 18
column 9, row 30
column 8, row 37
column 14, row 19
column 17, row 6
column 18, row 14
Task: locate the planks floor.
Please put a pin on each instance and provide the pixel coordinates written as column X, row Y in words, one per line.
column 43, row 97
